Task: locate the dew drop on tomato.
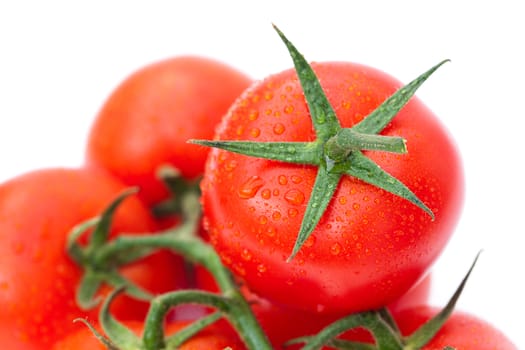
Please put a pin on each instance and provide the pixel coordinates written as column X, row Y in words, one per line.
column 292, row 212
column 278, row 128
column 261, row 268
column 294, row 197
column 310, row 241
column 249, row 188
column 296, row 179
column 335, row 249
column 266, row 194
column 246, row 255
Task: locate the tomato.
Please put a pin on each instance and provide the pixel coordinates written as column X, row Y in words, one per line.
column 281, row 323
column 370, row 246
column 462, row 331
column 146, row 121
column 37, row 278
column 210, row 338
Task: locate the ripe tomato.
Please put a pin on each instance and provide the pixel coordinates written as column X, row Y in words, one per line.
column 461, row 331
column 146, row 121
column 210, row 338
column 37, row 278
column 370, row 246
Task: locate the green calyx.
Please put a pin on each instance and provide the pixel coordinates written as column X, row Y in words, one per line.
column 336, row 151
column 100, row 269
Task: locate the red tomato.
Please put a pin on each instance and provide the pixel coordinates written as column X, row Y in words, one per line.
column 370, row 246
column 462, row 331
column 37, row 278
column 210, row 338
column 146, row 121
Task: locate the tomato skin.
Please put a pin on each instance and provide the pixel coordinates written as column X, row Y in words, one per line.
column 37, row 278
column 147, row 120
column 211, row 338
column 370, row 246
column 462, row 331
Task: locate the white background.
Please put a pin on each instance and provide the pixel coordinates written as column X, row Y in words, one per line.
column 59, row 61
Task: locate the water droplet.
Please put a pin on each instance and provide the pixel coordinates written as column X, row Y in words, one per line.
column 292, row 212
column 310, row 241
column 335, row 249
column 261, row 268
column 246, row 255
column 250, row 187
column 278, row 128
column 271, row 232
column 239, row 270
column 266, row 193
column 240, row 130
column 283, row 180
column 230, row 165
column 296, row 179
column 294, row 197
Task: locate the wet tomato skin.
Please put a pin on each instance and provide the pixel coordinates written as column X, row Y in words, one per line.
column 370, row 246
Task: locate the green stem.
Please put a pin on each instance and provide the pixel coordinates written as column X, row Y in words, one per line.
column 385, row 337
column 177, row 339
column 154, row 337
column 339, row 146
column 232, row 303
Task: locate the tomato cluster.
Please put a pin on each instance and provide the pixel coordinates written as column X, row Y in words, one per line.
column 328, row 194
